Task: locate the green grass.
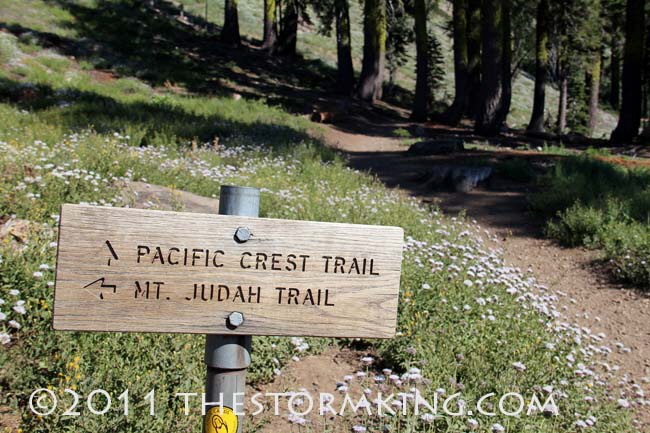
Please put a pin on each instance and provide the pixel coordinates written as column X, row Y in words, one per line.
column 600, row 205
column 69, row 136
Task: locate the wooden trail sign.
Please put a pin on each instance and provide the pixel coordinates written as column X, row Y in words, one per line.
column 154, row 271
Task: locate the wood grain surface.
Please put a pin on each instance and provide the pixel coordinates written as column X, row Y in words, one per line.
column 138, row 270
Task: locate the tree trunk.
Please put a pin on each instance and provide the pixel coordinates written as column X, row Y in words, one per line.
column 487, row 121
column 461, row 67
column 594, row 92
column 270, row 26
column 563, row 103
column 288, row 37
column 345, row 80
column 473, row 57
column 541, row 68
column 630, row 114
column 506, row 98
column 421, row 101
column 374, row 50
column 615, row 75
column 230, row 30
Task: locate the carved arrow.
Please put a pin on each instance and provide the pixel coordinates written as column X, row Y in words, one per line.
column 112, row 250
column 103, row 286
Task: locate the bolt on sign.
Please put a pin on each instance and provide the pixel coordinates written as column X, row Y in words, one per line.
column 138, row 270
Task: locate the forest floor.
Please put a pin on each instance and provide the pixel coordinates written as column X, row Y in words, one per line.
column 590, row 297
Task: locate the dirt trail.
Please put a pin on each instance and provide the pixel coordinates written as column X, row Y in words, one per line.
column 588, row 296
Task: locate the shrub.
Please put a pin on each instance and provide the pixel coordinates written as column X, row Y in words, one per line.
column 401, row 132
column 578, row 225
column 628, row 248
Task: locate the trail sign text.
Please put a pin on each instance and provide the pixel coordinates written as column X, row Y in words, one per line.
column 154, row 271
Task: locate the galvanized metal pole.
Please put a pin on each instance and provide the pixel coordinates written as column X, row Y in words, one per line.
column 228, row 356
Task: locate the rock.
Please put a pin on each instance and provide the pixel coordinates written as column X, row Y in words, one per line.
column 436, row 147
column 17, row 232
column 9, row 418
column 464, row 184
column 458, row 178
column 143, row 195
column 16, row 229
column 466, row 179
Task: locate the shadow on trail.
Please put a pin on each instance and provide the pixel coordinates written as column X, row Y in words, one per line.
column 502, row 204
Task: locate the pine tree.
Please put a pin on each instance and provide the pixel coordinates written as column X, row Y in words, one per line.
column 461, row 62
column 576, row 36
column 436, row 67
column 374, row 50
column 400, row 35
column 288, row 37
column 345, row 80
column 586, row 39
column 614, row 17
column 594, row 91
column 336, row 13
column 630, row 113
column 270, row 26
column 230, row 29
column 473, row 56
column 491, row 97
column 506, row 63
column 577, row 99
column 541, row 67
column 422, row 93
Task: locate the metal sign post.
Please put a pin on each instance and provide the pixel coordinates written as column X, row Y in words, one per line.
column 228, row 356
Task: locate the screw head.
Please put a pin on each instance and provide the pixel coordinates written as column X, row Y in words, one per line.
column 242, row 234
column 235, row 319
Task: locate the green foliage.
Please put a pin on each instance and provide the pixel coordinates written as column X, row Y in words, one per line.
column 401, row 132
column 578, row 97
column 576, row 37
column 577, row 225
column 436, row 66
column 400, row 35
column 523, row 13
column 627, row 246
column 596, row 204
column 326, row 13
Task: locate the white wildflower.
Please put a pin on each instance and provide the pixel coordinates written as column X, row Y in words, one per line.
column 519, row 366
column 14, row 324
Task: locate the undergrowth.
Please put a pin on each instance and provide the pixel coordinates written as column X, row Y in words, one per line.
column 592, row 203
